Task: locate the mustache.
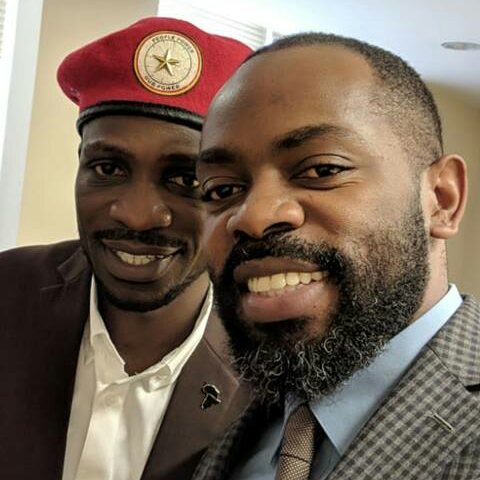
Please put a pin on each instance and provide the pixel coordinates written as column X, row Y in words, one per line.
column 154, row 237
column 324, row 256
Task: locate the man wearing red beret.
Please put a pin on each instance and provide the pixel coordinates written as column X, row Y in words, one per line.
column 113, row 370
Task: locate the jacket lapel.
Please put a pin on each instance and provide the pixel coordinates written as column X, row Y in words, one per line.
column 236, row 444
column 187, row 429
column 63, row 310
column 430, row 416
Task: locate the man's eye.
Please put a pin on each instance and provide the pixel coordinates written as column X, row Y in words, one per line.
column 187, row 181
column 324, row 170
column 221, row 192
column 108, row 169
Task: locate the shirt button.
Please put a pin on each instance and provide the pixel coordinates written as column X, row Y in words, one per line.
column 157, row 381
column 112, row 400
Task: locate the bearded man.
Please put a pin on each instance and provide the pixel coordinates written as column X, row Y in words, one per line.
column 329, row 201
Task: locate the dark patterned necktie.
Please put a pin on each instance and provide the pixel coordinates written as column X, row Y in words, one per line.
column 298, row 444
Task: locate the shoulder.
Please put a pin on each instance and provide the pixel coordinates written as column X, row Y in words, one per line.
column 53, row 253
column 457, row 342
column 216, row 343
column 220, row 459
column 216, row 338
column 38, row 262
column 466, row 465
column 470, row 306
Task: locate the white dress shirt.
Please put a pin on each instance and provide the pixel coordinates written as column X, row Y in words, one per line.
column 114, row 417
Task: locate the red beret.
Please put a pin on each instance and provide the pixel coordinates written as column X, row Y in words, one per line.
column 159, row 67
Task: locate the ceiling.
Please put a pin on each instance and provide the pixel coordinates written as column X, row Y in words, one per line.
column 414, row 29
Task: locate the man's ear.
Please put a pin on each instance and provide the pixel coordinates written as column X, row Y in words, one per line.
column 447, row 195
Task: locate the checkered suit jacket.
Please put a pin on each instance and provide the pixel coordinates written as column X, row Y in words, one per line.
column 428, row 428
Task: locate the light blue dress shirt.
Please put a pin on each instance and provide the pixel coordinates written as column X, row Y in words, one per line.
column 343, row 414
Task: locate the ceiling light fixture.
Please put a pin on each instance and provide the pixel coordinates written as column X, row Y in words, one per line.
column 461, row 45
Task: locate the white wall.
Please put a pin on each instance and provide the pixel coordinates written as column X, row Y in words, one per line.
column 6, row 61
column 24, row 20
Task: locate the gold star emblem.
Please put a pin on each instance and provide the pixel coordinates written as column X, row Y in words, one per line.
column 166, row 62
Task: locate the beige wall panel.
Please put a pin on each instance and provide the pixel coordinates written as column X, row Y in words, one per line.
column 48, row 211
column 461, row 125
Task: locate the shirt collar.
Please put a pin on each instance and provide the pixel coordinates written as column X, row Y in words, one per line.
column 343, row 414
column 109, row 365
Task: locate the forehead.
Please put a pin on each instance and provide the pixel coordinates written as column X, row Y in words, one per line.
column 290, row 88
column 133, row 132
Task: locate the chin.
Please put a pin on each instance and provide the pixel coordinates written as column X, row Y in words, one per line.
column 140, row 305
column 143, row 297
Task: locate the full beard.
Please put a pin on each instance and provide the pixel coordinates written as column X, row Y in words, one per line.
column 380, row 287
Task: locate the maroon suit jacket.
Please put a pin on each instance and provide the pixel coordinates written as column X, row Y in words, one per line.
column 45, row 304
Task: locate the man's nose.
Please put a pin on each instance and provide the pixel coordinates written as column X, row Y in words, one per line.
column 140, row 208
column 267, row 208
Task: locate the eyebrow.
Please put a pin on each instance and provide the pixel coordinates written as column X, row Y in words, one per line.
column 298, row 137
column 104, row 147
column 292, row 139
column 181, row 159
column 217, row 156
column 184, row 159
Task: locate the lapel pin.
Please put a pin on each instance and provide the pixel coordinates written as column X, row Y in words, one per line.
column 212, row 396
column 442, row 422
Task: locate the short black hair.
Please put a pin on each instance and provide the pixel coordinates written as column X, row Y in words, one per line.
column 404, row 97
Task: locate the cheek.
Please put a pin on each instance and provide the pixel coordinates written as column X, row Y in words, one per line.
column 92, row 210
column 85, row 208
column 345, row 213
column 330, row 219
column 216, row 242
column 188, row 220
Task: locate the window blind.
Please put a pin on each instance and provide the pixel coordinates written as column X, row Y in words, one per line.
column 2, row 22
column 255, row 36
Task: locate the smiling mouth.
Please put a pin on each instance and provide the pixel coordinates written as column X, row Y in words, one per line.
column 273, row 285
column 137, row 260
column 136, row 254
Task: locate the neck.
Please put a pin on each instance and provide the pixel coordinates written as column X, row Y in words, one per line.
column 144, row 338
column 437, row 285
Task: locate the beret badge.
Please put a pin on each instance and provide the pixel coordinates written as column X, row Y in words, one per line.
column 168, row 63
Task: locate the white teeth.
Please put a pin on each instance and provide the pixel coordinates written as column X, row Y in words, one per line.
column 318, row 275
column 293, row 278
column 263, row 284
column 270, row 285
column 278, row 281
column 136, row 259
column 305, row 278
